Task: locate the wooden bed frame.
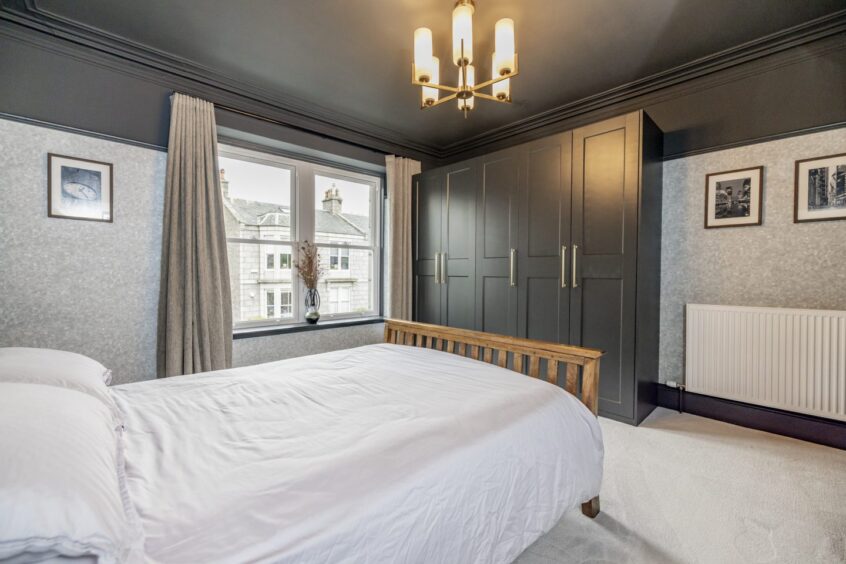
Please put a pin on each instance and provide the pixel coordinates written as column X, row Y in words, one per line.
column 521, row 355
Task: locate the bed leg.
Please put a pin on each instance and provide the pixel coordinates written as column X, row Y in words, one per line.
column 591, row 508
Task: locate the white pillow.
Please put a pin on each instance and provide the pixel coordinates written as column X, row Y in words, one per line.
column 56, row 368
column 62, row 480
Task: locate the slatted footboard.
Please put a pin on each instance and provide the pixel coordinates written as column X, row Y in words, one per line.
column 579, row 365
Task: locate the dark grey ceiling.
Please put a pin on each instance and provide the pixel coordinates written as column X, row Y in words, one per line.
column 353, row 57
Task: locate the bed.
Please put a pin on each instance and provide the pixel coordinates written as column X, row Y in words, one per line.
column 433, row 446
column 395, row 452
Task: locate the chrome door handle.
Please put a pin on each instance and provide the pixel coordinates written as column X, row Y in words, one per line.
column 437, row 268
column 575, row 259
column 563, row 266
column 512, row 266
column 443, row 268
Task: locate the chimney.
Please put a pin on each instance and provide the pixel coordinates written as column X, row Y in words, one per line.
column 332, row 201
column 224, row 184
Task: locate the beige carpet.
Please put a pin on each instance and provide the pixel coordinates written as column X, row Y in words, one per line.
column 686, row 489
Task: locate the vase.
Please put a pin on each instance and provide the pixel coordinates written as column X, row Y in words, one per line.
column 312, row 305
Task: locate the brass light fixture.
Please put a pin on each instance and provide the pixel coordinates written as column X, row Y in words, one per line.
column 425, row 70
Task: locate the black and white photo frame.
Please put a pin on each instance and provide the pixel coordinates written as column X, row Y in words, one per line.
column 79, row 188
column 734, row 198
column 819, row 192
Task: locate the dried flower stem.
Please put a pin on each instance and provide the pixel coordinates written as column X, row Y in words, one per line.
column 308, row 267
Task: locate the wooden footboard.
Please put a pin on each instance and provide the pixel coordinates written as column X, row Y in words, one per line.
column 525, row 356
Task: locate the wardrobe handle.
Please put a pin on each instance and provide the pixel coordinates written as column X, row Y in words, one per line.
column 563, row 266
column 575, row 259
column 437, row 268
column 512, row 265
column 443, row 268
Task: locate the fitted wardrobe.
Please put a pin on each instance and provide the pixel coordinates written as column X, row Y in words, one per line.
column 557, row 239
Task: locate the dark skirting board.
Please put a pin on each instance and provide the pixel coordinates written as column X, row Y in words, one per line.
column 820, row 430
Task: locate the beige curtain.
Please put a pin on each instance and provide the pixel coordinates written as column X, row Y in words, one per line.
column 195, row 308
column 398, row 294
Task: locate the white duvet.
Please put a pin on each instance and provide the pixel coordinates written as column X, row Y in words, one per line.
column 383, row 453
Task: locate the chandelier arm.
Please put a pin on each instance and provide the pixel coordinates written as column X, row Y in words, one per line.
column 487, row 83
column 443, row 87
column 484, row 96
column 440, row 101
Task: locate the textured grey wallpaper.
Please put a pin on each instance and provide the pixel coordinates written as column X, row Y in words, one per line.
column 778, row 264
column 276, row 347
column 81, row 286
column 93, row 287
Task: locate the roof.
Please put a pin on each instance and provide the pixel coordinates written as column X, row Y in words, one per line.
column 265, row 214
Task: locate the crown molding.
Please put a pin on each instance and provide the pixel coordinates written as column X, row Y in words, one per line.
column 78, row 131
column 117, row 53
column 648, row 90
column 757, row 140
column 59, row 34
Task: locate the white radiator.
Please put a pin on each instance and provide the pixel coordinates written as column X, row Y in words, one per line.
column 792, row 359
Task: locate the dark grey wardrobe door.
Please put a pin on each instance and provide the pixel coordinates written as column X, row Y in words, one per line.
column 458, row 244
column 496, row 235
column 544, row 218
column 605, row 192
column 428, row 213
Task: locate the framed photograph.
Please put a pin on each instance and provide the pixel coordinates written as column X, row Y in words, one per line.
column 733, row 198
column 820, row 189
column 79, row 188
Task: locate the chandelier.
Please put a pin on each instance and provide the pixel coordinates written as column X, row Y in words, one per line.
column 425, row 70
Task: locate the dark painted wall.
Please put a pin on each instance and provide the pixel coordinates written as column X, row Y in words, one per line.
column 55, row 87
column 795, row 89
column 806, row 93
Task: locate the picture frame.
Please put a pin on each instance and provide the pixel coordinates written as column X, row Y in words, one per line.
column 79, row 189
column 819, row 189
column 734, row 198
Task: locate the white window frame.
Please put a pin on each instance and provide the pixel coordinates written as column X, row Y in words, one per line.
column 265, row 245
column 374, row 245
column 302, row 228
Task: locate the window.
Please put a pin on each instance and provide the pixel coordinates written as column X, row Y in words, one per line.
column 346, row 224
column 271, row 204
column 285, row 261
column 285, row 305
column 339, row 299
column 339, row 259
column 271, row 309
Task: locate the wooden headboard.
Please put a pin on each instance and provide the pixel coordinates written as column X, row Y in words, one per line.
column 521, row 355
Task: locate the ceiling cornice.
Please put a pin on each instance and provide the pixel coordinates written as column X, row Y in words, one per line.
column 101, row 47
column 116, row 52
column 808, row 32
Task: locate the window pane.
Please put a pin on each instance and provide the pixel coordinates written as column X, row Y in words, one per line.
column 256, row 200
column 269, row 302
column 285, row 303
column 285, row 261
column 347, row 290
column 342, row 211
column 253, row 282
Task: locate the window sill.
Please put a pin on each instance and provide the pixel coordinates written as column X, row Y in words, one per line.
column 247, row 333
